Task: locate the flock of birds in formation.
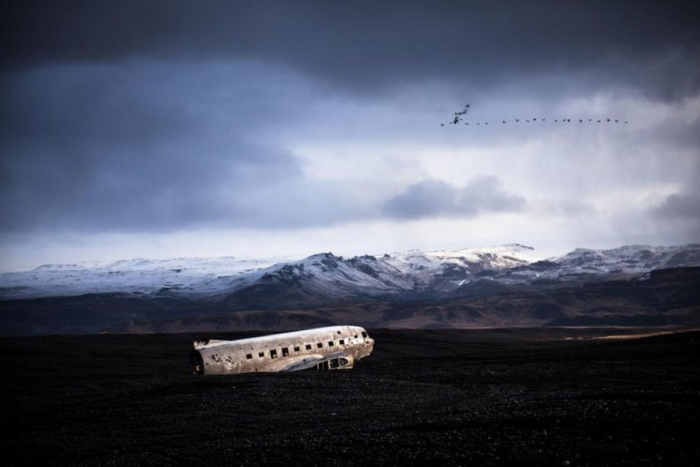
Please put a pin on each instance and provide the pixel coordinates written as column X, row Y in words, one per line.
column 459, row 117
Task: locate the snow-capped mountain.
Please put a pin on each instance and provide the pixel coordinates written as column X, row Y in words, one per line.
column 331, row 277
column 324, row 274
column 493, row 287
column 198, row 276
column 326, row 277
column 628, row 259
column 584, row 264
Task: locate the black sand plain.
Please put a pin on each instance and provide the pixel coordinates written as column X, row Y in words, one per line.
column 545, row 396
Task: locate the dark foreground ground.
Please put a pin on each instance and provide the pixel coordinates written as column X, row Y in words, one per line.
column 476, row 398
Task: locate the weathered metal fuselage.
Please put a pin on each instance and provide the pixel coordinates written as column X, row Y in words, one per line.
column 333, row 347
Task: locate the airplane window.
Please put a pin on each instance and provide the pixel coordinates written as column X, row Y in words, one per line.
column 261, row 354
column 273, row 353
column 330, row 343
column 296, row 348
column 342, row 341
column 285, row 351
column 364, row 334
column 319, row 345
column 308, row 346
column 249, row 356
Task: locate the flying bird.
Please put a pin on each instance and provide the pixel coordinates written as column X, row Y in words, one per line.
column 457, row 115
column 459, row 118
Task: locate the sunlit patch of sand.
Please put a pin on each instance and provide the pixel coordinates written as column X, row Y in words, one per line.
column 633, row 335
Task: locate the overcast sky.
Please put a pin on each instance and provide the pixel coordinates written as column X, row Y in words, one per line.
column 265, row 128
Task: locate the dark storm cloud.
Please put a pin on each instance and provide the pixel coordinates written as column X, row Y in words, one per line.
column 99, row 149
column 126, row 190
column 371, row 46
column 89, row 105
column 682, row 136
column 684, row 205
column 679, row 212
column 434, row 198
column 679, row 206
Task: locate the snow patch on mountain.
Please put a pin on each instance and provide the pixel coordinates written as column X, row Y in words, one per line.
column 628, row 259
column 585, row 264
column 415, row 271
column 197, row 276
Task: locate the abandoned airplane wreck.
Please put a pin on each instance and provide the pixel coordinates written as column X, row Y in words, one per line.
column 327, row 348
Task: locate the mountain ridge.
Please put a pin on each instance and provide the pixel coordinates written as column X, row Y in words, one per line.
column 414, row 272
column 484, row 287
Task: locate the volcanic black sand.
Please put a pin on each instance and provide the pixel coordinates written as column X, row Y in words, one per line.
column 473, row 398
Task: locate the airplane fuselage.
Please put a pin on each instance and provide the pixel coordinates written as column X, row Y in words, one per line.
column 333, row 347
